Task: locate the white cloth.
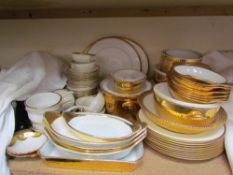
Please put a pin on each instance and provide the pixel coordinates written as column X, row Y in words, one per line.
column 35, row 72
column 222, row 62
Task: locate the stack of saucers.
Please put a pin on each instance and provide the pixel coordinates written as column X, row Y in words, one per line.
column 171, row 57
column 93, row 135
column 83, row 75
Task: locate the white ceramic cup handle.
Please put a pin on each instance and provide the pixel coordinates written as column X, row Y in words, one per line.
column 74, row 108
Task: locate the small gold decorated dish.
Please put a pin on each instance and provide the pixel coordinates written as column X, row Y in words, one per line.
column 147, row 104
column 171, row 57
column 55, row 157
column 26, row 143
column 128, row 78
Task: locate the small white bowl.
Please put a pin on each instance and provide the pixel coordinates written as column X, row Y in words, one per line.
column 161, row 90
column 91, row 103
column 82, row 57
column 183, row 53
column 39, row 103
column 200, row 73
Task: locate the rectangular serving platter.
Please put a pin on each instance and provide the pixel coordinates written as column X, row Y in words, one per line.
column 57, row 158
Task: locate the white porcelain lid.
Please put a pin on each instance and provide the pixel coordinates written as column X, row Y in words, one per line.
column 128, row 75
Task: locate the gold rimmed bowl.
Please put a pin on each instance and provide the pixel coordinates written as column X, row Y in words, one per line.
column 181, row 108
column 171, row 57
column 176, row 122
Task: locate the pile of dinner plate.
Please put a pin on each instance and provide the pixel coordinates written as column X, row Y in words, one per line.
column 93, row 135
column 83, row 75
column 201, row 146
column 184, row 115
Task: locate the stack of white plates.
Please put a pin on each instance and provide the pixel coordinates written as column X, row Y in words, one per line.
column 93, row 135
column 201, row 146
column 83, row 75
column 114, row 53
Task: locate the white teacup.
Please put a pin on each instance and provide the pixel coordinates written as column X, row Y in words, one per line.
column 39, row 103
column 82, row 57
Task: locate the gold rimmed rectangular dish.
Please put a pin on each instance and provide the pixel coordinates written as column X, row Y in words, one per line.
column 54, row 157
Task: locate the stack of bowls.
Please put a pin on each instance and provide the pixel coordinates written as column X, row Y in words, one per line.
column 171, row 57
column 198, row 85
column 83, row 75
column 93, row 136
column 121, row 91
column 38, row 104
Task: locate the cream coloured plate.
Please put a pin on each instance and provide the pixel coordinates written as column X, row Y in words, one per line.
column 113, row 54
column 142, row 54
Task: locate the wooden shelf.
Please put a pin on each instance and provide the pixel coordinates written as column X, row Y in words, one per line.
column 117, row 12
column 153, row 163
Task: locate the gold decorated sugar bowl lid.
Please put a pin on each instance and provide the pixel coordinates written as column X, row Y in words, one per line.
column 128, row 80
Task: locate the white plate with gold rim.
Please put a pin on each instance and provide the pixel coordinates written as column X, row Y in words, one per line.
column 112, row 54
